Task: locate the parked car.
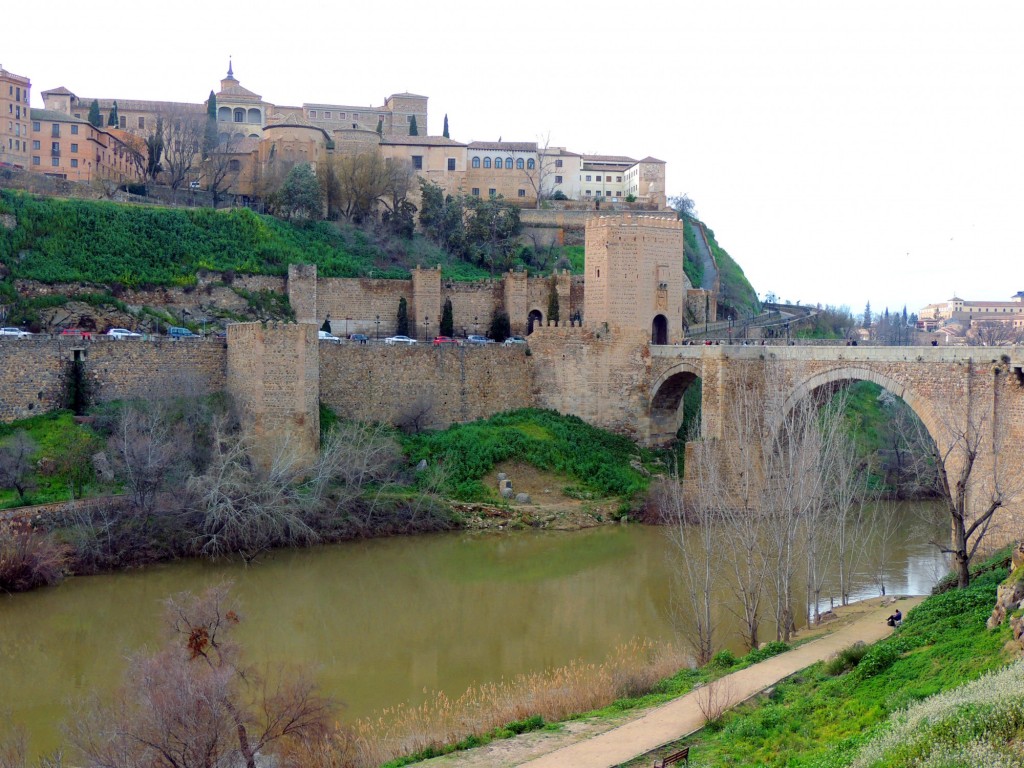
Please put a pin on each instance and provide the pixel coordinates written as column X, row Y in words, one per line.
column 359, row 338
column 477, row 340
column 511, row 341
column 325, row 336
column 181, row 333
column 123, row 333
column 21, row 334
column 80, row 333
column 392, row 340
column 439, row 340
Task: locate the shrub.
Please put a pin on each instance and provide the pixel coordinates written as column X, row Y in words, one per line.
column 723, row 659
column 28, row 558
column 766, row 651
column 846, row 659
column 877, row 659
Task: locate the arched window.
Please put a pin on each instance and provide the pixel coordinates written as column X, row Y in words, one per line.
column 234, row 165
column 254, row 116
column 519, row 163
column 239, row 115
column 487, row 162
column 508, row 163
column 530, row 164
column 224, row 114
column 476, row 162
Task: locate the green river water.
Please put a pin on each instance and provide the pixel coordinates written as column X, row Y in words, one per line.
column 383, row 621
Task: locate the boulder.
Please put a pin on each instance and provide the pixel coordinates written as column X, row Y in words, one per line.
column 422, row 465
column 507, row 493
column 502, row 476
column 1008, row 598
column 522, row 498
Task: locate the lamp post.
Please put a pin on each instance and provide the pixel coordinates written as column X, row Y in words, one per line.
column 378, row 327
column 475, row 324
column 426, row 320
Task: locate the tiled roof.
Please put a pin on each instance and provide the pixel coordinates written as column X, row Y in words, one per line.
column 422, row 141
column 297, row 124
column 650, row 159
column 142, row 105
column 58, row 91
column 505, row 146
column 607, row 159
column 54, row 116
column 413, row 95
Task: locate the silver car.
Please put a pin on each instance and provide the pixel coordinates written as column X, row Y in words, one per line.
column 20, row 333
column 392, row 340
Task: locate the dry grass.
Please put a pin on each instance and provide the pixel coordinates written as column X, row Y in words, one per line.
column 28, row 558
column 632, row 669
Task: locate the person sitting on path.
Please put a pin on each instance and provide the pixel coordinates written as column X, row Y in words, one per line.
column 895, row 619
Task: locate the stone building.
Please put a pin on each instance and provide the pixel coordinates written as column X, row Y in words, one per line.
column 69, row 148
column 972, row 313
column 14, row 119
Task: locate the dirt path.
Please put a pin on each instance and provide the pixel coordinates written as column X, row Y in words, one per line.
column 604, row 742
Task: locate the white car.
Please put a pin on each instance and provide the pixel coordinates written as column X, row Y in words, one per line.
column 477, row 339
column 325, row 336
column 511, row 341
column 392, row 340
column 15, row 332
column 123, row 333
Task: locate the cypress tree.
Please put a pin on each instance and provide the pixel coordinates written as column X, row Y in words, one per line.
column 94, row 114
column 445, row 134
column 553, row 312
column 113, row 119
column 380, row 126
column 210, row 139
column 402, row 328
column 413, row 129
column 447, row 322
column 501, row 328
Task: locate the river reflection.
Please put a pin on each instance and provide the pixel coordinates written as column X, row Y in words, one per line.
column 384, row 620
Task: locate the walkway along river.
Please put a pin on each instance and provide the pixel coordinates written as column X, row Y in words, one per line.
column 384, row 620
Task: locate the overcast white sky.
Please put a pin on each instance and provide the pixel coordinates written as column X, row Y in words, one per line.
column 842, row 152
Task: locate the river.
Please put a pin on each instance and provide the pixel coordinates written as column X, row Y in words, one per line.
column 384, row 620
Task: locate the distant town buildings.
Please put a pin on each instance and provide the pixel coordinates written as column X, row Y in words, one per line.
column 260, row 140
column 971, row 314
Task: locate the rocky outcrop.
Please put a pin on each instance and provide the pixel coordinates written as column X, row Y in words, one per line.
column 1010, row 595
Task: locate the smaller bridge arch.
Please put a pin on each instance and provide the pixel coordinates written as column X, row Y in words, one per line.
column 665, row 413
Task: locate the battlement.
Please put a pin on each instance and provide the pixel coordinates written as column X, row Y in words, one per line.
column 635, row 220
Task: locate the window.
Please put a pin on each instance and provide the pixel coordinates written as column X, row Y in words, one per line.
column 476, row 191
column 487, row 162
column 588, row 178
column 78, row 116
column 35, row 160
column 312, row 114
column 74, row 130
column 54, row 147
column 55, row 130
column 417, row 162
column 55, row 161
column 74, row 162
column 588, row 192
column 558, row 179
column 558, row 163
column 122, row 122
column 35, row 125
column 355, row 115
column 35, row 144
column 234, row 165
column 520, row 164
column 451, row 163
column 476, row 162
column 530, row 164
column 327, row 115
column 492, row 192
column 618, row 179
column 508, row 163
column 74, row 147
column 607, row 178
column 239, row 115
column 522, row 193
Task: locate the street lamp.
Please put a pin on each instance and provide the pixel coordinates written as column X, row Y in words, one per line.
column 378, row 327
column 426, row 320
column 475, row 324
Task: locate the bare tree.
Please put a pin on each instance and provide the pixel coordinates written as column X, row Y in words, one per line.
column 539, row 177
column 16, row 463
column 714, row 698
column 221, row 169
column 994, row 333
column 182, row 142
column 195, row 703
column 148, row 451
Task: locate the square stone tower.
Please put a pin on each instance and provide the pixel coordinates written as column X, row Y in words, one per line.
column 634, row 275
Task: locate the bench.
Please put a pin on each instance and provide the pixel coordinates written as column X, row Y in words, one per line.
column 682, row 756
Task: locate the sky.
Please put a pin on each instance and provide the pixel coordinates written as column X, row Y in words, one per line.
column 843, row 153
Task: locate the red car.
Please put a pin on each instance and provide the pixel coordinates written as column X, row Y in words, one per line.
column 77, row 332
column 439, row 340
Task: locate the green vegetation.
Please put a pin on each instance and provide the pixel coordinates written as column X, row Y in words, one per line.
column 735, row 290
column 693, row 265
column 65, row 241
column 834, row 711
column 598, row 461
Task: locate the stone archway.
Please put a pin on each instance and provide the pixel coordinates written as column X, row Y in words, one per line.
column 535, row 318
column 659, row 330
column 666, row 411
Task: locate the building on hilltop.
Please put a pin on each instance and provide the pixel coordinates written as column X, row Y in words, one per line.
column 970, row 314
column 69, row 148
column 14, row 119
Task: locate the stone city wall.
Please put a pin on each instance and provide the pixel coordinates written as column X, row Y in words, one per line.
column 32, row 371
column 438, row 385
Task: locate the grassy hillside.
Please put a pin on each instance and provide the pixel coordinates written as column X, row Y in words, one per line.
column 735, row 290
column 58, row 240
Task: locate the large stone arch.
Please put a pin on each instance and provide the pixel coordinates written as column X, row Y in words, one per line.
column 664, row 414
column 921, row 406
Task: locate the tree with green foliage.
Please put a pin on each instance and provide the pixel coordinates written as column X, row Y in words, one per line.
column 155, row 149
column 445, row 132
column 113, row 120
column 684, row 207
column 210, row 138
column 442, row 218
column 402, row 325
column 867, row 316
column 413, row 129
column 447, row 321
column 299, row 195
column 94, row 114
column 380, row 126
column 553, row 310
column 501, row 328
column 492, row 231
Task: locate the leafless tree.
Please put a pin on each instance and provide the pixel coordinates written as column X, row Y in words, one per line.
column 415, row 416
column 994, row 333
column 195, row 703
column 539, row 177
column 221, row 170
column 147, row 447
column 182, row 142
column 714, row 698
column 16, row 463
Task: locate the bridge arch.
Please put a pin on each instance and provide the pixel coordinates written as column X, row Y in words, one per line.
column 922, row 407
column 666, row 413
